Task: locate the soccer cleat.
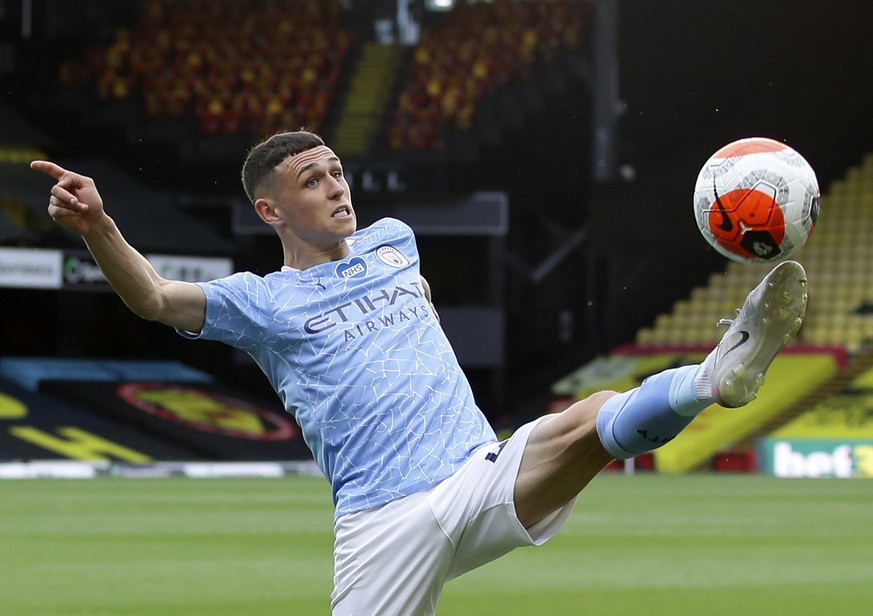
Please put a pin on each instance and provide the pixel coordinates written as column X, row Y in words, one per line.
column 770, row 317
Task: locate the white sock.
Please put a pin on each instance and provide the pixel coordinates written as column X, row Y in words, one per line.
column 702, row 382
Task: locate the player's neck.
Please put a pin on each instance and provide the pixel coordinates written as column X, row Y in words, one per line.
column 302, row 258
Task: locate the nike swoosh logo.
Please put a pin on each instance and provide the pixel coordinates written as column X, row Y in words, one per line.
column 744, row 338
column 726, row 224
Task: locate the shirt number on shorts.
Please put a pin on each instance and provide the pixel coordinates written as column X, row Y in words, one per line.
column 492, row 456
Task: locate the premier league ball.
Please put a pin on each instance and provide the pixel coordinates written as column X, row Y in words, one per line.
column 756, row 200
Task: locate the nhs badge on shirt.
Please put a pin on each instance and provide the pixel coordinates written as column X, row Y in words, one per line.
column 353, row 268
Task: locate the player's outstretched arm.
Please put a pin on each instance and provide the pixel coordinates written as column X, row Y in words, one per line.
column 75, row 204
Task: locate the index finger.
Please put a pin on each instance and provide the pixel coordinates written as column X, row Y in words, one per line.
column 49, row 168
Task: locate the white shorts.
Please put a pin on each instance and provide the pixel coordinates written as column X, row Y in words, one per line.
column 395, row 559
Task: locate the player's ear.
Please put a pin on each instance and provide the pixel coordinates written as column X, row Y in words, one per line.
column 264, row 208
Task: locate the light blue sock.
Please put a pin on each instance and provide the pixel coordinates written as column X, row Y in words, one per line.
column 650, row 415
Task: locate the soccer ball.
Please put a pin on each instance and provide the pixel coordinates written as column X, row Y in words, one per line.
column 756, row 200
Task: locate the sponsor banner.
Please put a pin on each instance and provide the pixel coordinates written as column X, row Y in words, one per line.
column 30, row 268
column 37, row 426
column 204, row 418
column 46, row 469
column 233, row 469
column 815, row 458
column 191, row 269
column 81, row 273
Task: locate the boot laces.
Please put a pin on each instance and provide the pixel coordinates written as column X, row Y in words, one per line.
column 727, row 322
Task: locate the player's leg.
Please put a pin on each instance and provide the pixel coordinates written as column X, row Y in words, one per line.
column 475, row 507
column 390, row 560
column 565, row 452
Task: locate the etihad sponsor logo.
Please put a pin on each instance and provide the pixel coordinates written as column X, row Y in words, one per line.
column 354, row 310
column 207, row 412
column 388, row 319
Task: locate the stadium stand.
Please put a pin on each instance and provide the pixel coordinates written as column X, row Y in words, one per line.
column 481, row 49
column 373, row 81
column 234, row 66
column 837, row 258
column 251, row 68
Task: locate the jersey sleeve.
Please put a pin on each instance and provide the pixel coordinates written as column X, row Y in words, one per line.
column 235, row 311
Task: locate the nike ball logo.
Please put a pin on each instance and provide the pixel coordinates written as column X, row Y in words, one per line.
column 726, row 224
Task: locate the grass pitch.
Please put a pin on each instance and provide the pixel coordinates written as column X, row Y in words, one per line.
column 678, row 545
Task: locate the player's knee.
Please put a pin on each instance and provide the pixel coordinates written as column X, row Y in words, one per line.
column 591, row 405
column 580, row 439
column 583, row 413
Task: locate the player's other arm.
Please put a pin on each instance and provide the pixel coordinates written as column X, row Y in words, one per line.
column 427, row 295
column 76, row 205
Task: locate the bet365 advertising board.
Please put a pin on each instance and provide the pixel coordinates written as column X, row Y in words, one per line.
column 833, row 439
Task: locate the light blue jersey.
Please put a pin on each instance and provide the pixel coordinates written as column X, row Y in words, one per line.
column 358, row 357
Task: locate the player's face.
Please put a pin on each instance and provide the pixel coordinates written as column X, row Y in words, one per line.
column 313, row 198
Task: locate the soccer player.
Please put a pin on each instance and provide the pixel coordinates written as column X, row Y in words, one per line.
column 347, row 334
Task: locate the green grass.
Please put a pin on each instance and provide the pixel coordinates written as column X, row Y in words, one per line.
column 679, row 545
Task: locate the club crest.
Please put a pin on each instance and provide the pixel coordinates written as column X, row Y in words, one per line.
column 391, row 256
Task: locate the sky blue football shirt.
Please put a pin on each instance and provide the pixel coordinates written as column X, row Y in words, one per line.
column 358, row 357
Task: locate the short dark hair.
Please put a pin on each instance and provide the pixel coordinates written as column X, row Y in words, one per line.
column 264, row 157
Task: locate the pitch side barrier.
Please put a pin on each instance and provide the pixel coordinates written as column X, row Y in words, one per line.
column 76, row 469
column 833, row 438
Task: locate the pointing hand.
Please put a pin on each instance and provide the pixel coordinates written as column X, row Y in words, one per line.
column 74, row 202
